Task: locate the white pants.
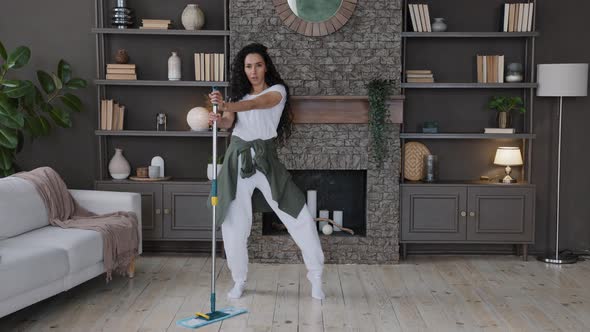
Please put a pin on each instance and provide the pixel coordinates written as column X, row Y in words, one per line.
column 238, row 223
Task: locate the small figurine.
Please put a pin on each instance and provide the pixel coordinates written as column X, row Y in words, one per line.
column 161, row 121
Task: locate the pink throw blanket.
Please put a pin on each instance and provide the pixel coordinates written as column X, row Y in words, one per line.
column 118, row 229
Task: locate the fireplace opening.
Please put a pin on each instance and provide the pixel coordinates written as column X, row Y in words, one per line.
column 336, row 190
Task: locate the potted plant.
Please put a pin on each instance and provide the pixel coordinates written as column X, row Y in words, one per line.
column 504, row 105
column 24, row 108
column 210, row 166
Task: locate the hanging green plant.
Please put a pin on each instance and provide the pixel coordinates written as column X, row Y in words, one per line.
column 379, row 91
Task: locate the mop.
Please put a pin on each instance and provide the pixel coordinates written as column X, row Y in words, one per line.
column 201, row 319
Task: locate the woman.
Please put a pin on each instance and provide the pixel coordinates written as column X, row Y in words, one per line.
column 260, row 103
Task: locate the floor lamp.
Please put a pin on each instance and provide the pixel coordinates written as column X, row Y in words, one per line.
column 561, row 80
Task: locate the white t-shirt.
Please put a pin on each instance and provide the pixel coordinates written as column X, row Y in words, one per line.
column 260, row 123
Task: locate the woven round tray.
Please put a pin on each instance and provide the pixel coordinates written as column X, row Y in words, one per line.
column 414, row 153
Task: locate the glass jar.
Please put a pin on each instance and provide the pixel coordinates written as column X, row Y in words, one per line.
column 430, row 168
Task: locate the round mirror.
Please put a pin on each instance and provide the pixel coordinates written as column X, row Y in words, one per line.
column 314, row 10
column 315, row 17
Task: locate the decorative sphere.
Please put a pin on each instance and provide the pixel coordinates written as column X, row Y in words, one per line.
column 327, row 229
column 198, row 119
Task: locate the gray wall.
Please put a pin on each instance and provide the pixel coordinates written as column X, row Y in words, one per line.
column 55, row 30
column 62, row 30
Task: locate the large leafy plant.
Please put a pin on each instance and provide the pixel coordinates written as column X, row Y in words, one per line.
column 24, row 108
column 379, row 91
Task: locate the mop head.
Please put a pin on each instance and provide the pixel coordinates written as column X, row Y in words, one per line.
column 209, row 318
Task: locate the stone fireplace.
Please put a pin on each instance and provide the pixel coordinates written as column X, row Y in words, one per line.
column 324, row 146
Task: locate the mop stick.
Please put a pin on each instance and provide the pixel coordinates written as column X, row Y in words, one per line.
column 201, row 319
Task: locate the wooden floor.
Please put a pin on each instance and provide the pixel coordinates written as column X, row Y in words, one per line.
column 436, row 293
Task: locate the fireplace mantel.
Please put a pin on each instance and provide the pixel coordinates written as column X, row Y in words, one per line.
column 340, row 109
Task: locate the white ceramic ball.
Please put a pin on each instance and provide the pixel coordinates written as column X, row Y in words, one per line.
column 198, row 119
column 327, row 229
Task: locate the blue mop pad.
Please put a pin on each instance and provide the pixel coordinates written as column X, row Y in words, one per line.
column 196, row 322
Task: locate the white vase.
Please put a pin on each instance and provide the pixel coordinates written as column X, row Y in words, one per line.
column 193, row 17
column 198, row 119
column 119, row 166
column 439, row 25
column 210, row 170
column 174, row 67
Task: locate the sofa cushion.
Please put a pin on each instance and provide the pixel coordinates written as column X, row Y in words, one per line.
column 21, row 207
column 83, row 247
column 25, row 268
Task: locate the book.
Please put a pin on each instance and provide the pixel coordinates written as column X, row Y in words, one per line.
column 420, row 80
column 120, row 66
column 418, row 71
column 427, row 18
column 155, row 21
column 413, row 17
column 103, row 114
column 121, row 77
column 498, row 130
column 478, row 60
column 511, row 16
column 120, row 71
column 530, row 21
column 418, row 17
column 506, row 18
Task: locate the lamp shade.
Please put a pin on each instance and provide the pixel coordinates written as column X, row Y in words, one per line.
column 508, row 156
column 562, row 80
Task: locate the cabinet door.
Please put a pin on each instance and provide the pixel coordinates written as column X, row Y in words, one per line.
column 433, row 213
column 186, row 215
column 151, row 205
column 501, row 214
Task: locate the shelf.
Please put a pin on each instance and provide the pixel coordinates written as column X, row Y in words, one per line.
column 174, row 32
column 461, row 34
column 153, row 133
column 465, row 136
column 160, row 83
column 465, row 182
column 187, row 181
column 468, row 85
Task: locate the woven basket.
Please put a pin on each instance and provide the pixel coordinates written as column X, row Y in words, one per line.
column 414, row 153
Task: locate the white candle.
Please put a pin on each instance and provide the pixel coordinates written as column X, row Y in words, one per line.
column 312, row 203
column 324, row 214
column 337, row 215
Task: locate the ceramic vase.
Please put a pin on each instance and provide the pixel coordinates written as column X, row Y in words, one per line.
column 439, row 25
column 174, row 67
column 193, row 17
column 210, row 170
column 158, row 161
column 119, row 166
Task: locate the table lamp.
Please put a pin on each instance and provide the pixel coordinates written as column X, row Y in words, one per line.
column 561, row 80
column 508, row 156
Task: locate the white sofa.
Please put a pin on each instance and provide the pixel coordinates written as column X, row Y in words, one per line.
column 37, row 260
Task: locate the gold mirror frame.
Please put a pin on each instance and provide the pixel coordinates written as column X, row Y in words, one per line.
column 314, row 29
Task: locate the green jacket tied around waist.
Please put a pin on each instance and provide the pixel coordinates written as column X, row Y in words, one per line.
column 284, row 191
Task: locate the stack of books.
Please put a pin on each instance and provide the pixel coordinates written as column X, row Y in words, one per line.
column 498, row 130
column 490, row 69
column 518, row 17
column 116, row 71
column 155, row 24
column 111, row 115
column 420, row 17
column 210, row 67
column 419, row 76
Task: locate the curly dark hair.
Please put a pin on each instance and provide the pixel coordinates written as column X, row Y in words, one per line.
column 240, row 85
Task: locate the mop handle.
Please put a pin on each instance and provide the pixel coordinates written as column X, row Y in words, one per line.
column 214, row 206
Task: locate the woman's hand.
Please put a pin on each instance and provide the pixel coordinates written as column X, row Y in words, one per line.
column 216, row 98
column 214, row 117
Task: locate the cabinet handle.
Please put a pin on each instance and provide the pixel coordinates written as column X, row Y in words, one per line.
column 463, row 213
column 158, row 211
column 472, row 214
column 166, row 211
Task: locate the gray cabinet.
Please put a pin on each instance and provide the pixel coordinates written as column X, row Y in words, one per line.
column 467, row 213
column 151, row 211
column 186, row 215
column 171, row 211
